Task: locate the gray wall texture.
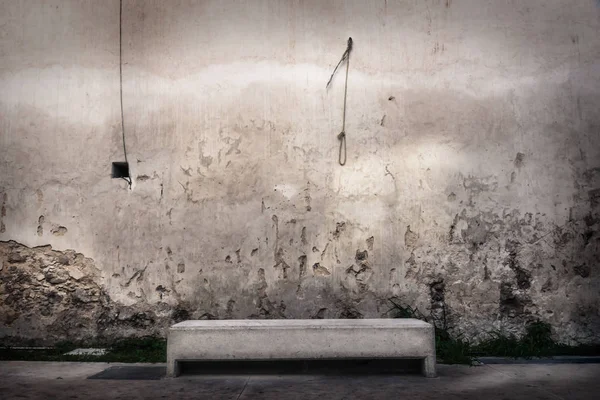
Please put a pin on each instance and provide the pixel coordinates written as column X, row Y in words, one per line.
column 471, row 192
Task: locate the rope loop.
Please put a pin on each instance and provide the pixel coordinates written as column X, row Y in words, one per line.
column 342, row 135
column 342, row 138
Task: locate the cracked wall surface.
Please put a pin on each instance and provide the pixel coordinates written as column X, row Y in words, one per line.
column 471, row 191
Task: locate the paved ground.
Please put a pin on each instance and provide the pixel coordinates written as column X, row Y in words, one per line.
column 49, row 380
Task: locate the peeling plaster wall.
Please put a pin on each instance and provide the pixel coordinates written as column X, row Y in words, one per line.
column 471, row 192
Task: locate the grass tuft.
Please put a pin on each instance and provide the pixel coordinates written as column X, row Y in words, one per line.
column 145, row 349
column 537, row 342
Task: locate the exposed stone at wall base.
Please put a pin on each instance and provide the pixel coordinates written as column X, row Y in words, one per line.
column 47, row 296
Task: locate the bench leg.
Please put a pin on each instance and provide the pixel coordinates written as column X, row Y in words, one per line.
column 172, row 369
column 429, row 367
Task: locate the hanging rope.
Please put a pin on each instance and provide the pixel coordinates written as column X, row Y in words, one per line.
column 342, row 135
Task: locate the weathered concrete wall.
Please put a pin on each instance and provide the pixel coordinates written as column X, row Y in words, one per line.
column 472, row 188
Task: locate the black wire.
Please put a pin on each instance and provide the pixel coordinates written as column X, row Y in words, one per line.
column 127, row 179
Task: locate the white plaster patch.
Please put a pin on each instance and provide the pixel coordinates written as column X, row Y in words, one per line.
column 286, row 190
column 86, row 352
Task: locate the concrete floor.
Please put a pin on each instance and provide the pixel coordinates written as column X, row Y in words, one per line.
column 49, row 380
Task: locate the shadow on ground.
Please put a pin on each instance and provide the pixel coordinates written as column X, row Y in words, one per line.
column 51, row 380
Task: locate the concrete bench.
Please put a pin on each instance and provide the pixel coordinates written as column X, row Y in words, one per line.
column 300, row 339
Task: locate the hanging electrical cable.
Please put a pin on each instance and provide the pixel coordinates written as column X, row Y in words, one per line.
column 127, row 178
column 342, row 135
